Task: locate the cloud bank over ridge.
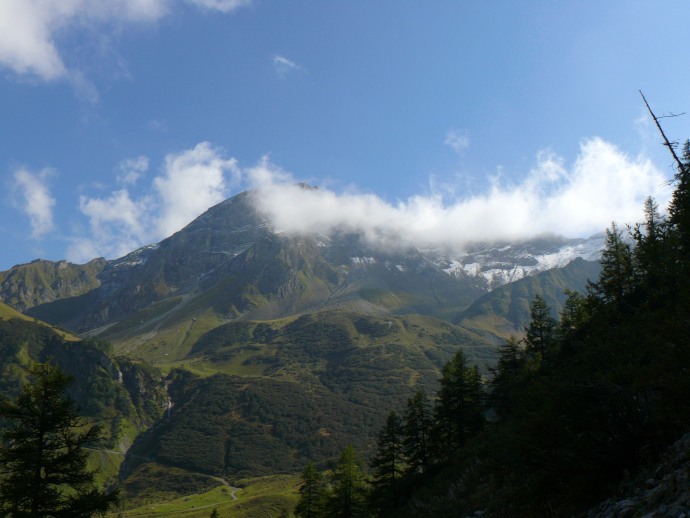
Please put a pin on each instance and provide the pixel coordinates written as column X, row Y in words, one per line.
column 601, row 186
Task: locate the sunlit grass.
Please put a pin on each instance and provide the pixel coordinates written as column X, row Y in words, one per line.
column 265, row 496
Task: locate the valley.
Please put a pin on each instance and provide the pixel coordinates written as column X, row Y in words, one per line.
column 259, row 352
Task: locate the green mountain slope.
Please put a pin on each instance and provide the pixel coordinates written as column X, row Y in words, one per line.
column 506, row 310
column 267, row 397
column 121, row 395
column 27, row 285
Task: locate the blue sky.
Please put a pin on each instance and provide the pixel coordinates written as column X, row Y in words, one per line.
column 446, row 121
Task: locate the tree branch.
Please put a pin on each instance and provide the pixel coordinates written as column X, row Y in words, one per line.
column 669, row 145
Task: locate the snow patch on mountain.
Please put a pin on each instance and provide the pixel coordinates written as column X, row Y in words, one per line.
column 501, row 264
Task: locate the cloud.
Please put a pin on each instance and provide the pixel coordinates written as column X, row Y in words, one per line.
column 224, row 6
column 37, row 202
column 31, row 31
column 129, row 171
column 28, row 29
column 190, row 182
column 118, row 224
column 457, row 140
column 284, row 66
column 602, row 185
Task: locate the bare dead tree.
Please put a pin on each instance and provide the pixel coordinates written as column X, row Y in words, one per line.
column 671, row 146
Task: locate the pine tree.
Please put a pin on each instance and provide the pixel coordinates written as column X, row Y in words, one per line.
column 349, row 487
column 388, row 464
column 617, row 280
column 458, row 410
column 574, row 313
column 311, row 500
column 506, row 376
column 541, row 329
column 214, row 513
column 679, row 210
column 417, row 421
column 43, row 462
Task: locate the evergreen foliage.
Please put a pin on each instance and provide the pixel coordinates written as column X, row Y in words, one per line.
column 388, row 465
column 585, row 400
column 417, row 421
column 459, row 406
column 349, row 496
column 540, row 333
column 312, row 494
column 43, row 462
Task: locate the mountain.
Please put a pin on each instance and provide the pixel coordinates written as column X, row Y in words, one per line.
column 121, row 395
column 27, row 285
column 506, row 309
column 231, row 264
column 282, row 348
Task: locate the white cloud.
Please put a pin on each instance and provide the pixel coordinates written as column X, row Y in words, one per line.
column 457, row 140
column 129, row 171
column 191, row 181
column 283, row 65
column 37, row 202
column 30, row 31
column 224, row 6
column 577, row 200
column 602, row 185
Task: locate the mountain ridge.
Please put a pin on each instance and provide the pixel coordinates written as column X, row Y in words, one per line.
column 232, row 239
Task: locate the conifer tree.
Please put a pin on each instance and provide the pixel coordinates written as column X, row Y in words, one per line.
column 617, row 279
column 574, row 313
column 349, row 496
column 541, row 329
column 417, row 421
column 388, row 464
column 458, row 410
column 506, row 375
column 311, row 501
column 43, row 468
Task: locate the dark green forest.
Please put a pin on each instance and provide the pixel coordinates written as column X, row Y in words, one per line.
column 573, row 408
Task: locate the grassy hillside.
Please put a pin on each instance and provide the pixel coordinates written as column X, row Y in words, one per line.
column 8, row 313
column 506, row 310
column 120, row 395
column 27, row 285
column 259, row 398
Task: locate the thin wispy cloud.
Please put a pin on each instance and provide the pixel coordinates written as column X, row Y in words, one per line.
column 457, row 140
column 36, row 200
column 224, row 6
column 129, row 171
column 283, row 66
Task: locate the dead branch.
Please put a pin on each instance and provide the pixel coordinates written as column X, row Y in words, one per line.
column 669, row 145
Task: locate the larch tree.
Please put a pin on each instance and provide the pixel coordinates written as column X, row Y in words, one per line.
column 311, row 494
column 540, row 333
column 349, row 497
column 458, row 409
column 417, row 421
column 388, row 464
column 43, row 463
